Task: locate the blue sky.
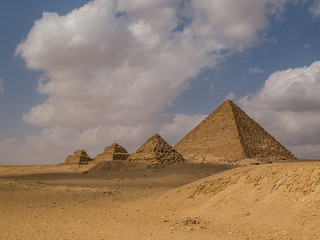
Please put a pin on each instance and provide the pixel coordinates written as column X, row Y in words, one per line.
column 16, row 20
column 87, row 74
column 290, row 42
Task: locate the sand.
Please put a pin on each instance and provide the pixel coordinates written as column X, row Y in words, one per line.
column 186, row 201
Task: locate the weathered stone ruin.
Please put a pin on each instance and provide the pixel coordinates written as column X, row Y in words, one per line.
column 78, row 157
column 229, row 133
column 113, row 152
column 156, row 150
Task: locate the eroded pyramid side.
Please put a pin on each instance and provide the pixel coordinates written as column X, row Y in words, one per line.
column 256, row 142
column 113, row 152
column 79, row 157
column 156, row 150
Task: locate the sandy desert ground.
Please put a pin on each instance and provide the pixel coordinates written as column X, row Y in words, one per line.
column 122, row 200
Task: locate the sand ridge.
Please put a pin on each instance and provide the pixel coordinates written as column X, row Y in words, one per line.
column 274, row 201
column 185, row 201
column 95, row 204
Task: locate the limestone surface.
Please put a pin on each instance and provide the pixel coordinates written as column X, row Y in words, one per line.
column 229, row 133
column 78, row 157
column 156, row 150
column 113, row 152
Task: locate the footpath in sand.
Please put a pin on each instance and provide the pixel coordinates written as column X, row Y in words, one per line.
column 186, row 201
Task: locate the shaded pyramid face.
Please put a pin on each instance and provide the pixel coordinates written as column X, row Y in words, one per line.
column 113, row 152
column 116, row 148
column 156, row 150
column 78, row 157
column 229, row 133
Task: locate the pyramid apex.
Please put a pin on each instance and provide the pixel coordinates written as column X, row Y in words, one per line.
column 228, row 101
column 156, row 136
column 80, row 152
column 114, row 145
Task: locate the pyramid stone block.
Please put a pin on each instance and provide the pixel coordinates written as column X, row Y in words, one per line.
column 113, row 152
column 78, row 157
column 229, row 133
column 156, row 150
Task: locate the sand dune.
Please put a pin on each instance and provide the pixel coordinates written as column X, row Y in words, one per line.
column 124, row 200
column 278, row 201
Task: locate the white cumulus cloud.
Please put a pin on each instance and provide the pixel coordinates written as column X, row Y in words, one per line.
column 288, row 107
column 231, row 96
column 112, row 67
column 315, row 9
column 180, row 126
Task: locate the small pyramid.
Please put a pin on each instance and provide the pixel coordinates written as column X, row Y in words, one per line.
column 229, row 133
column 157, row 150
column 78, row 157
column 113, row 152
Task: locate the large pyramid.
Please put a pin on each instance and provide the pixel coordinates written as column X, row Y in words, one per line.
column 156, row 150
column 113, row 152
column 229, row 133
